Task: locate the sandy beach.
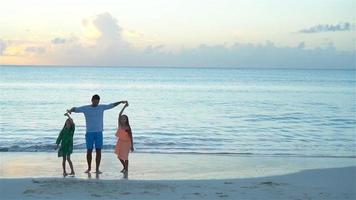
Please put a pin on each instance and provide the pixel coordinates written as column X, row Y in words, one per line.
column 336, row 183
column 217, row 100
column 179, row 176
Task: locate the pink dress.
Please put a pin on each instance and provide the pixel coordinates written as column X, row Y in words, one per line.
column 123, row 144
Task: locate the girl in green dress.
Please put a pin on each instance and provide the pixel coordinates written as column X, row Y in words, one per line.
column 65, row 139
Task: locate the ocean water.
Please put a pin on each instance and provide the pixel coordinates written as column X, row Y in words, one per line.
column 186, row 110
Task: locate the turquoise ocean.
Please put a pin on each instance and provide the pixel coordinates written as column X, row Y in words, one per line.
column 186, row 110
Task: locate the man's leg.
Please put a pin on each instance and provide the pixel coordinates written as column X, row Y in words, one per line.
column 89, row 158
column 98, row 159
column 98, row 147
column 89, row 139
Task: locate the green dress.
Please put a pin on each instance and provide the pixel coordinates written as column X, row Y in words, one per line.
column 65, row 138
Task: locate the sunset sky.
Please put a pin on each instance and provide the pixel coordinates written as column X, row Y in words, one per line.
column 227, row 33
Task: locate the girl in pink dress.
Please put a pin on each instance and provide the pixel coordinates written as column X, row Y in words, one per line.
column 125, row 142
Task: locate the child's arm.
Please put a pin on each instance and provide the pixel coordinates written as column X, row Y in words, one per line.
column 123, row 108
column 120, row 114
column 131, row 138
column 59, row 138
column 68, row 115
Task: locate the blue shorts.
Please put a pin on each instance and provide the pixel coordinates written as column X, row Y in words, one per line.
column 92, row 138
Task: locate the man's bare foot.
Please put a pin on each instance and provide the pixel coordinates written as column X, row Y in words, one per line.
column 65, row 174
column 72, row 174
column 87, row 171
column 123, row 170
column 98, row 172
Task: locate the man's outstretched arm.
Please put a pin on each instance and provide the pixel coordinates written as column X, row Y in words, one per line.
column 71, row 110
column 112, row 105
column 117, row 103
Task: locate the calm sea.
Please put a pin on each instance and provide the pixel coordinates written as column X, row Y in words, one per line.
column 186, row 110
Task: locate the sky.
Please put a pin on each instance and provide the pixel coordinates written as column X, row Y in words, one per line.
column 187, row 33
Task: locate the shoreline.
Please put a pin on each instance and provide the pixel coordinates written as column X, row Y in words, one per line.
column 80, row 151
column 38, row 175
column 110, row 150
column 146, row 166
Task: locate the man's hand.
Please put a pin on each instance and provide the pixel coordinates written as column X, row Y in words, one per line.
column 119, row 102
column 132, row 149
column 56, row 147
column 70, row 110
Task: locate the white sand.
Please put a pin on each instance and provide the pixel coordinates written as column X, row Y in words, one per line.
column 165, row 166
column 335, row 183
column 37, row 176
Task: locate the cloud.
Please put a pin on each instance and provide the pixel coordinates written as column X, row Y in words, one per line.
column 59, row 40
column 328, row 28
column 243, row 55
column 108, row 47
column 266, row 55
column 2, row 47
column 153, row 49
column 64, row 40
column 249, row 55
column 106, row 30
column 107, row 26
column 103, row 44
column 35, row 50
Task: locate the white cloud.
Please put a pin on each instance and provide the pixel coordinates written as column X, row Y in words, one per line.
column 266, row 55
column 329, row 28
column 58, row 40
column 110, row 48
column 2, row 46
column 35, row 50
column 103, row 44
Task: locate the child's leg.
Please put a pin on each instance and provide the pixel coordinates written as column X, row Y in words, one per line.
column 127, row 165
column 71, row 165
column 64, row 165
column 123, row 164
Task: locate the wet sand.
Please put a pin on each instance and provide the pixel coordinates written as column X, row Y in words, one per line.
column 145, row 166
column 179, row 176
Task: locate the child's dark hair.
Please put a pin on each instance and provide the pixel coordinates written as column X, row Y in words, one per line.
column 127, row 122
column 71, row 123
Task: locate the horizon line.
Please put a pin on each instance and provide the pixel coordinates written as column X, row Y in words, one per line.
column 182, row 67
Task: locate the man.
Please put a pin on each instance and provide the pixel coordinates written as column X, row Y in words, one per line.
column 94, row 114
